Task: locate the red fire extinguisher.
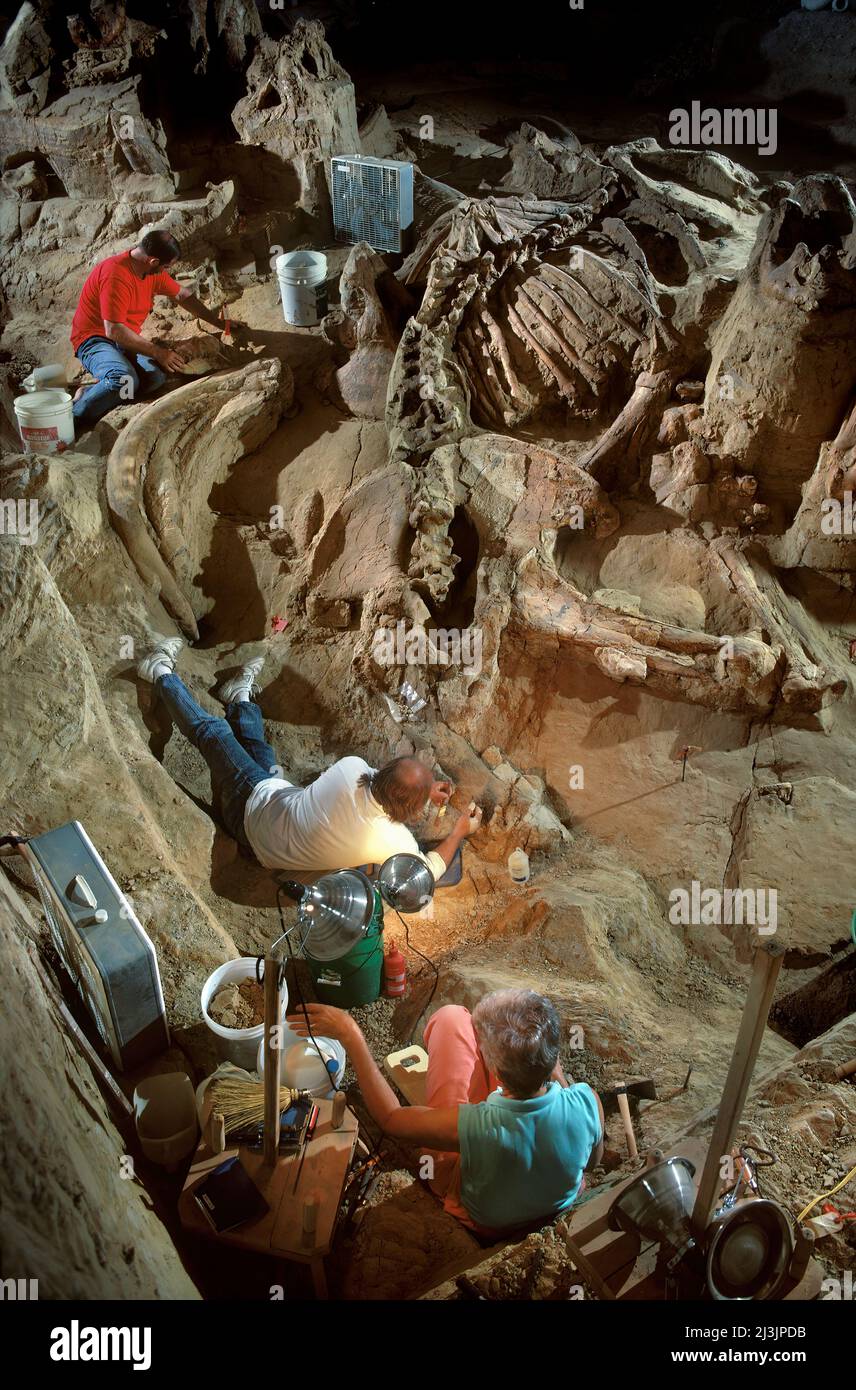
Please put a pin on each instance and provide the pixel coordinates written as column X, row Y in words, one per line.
column 394, row 972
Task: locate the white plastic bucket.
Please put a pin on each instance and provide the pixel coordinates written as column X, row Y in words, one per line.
column 302, row 277
column 302, row 1067
column 165, row 1117
column 238, row 1045
column 45, row 421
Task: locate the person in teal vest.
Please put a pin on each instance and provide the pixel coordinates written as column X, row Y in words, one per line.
column 506, row 1138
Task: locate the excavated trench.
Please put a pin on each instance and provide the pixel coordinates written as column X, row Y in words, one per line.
column 818, row 1005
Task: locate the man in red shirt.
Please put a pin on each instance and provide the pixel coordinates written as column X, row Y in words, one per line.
column 114, row 303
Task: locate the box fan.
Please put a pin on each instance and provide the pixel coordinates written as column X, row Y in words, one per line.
column 372, row 201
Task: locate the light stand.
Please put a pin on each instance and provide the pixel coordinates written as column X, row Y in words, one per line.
column 273, row 1055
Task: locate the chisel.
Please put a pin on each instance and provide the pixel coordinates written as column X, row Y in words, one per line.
column 310, row 1130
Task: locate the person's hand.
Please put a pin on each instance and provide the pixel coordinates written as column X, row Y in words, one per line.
column 325, row 1022
column 440, row 793
column 469, row 822
column 169, row 359
column 237, row 330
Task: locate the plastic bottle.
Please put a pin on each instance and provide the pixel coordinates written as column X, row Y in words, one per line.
column 40, row 377
column 394, row 972
column 518, row 865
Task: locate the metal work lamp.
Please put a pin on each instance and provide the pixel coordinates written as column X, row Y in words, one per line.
column 333, row 914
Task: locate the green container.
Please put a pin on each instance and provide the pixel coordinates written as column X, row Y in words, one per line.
column 354, row 978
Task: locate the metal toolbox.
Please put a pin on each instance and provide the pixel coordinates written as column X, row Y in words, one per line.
column 102, row 945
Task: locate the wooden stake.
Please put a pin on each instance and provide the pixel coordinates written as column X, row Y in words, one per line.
column 765, row 972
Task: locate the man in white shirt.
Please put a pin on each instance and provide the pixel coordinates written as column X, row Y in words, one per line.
column 351, row 815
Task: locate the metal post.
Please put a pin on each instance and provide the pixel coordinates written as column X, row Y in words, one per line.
column 766, row 964
column 272, row 1060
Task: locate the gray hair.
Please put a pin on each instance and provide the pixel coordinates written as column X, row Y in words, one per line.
column 518, row 1032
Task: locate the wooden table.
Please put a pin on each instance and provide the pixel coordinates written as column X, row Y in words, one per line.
column 280, row 1231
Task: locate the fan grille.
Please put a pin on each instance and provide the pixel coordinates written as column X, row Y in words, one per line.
column 367, row 203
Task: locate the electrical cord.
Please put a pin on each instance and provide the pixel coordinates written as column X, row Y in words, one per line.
column 376, row 1143
column 844, row 1181
column 428, row 961
column 287, row 934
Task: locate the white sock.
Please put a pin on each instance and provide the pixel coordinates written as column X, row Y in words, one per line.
column 242, row 694
column 161, row 668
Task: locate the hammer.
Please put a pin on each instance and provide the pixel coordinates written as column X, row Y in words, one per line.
column 615, row 1099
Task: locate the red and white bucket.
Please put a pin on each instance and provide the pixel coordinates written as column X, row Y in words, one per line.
column 45, row 421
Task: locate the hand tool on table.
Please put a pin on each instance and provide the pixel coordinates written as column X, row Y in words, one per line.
column 310, row 1130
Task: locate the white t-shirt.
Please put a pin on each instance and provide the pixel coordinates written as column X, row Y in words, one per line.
column 332, row 824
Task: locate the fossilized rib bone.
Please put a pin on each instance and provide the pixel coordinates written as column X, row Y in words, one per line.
column 175, row 448
column 631, row 428
column 806, row 681
column 739, row 673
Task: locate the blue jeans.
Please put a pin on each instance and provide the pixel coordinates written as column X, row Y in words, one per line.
column 121, row 377
column 234, row 748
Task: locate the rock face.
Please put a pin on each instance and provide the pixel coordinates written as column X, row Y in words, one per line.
column 93, row 138
column 300, row 105
column 785, row 340
column 69, row 1218
column 25, row 64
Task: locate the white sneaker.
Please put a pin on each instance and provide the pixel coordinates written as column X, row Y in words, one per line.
column 244, row 684
column 165, row 652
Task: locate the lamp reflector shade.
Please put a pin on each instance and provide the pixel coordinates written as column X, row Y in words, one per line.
column 335, row 913
column 405, row 882
column 658, row 1204
column 749, row 1251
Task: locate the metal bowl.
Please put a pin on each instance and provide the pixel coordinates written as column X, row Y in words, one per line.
column 405, row 882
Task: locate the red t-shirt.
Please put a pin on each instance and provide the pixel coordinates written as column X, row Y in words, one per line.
column 113, row 291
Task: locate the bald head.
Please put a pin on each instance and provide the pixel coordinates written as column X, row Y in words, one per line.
column 401, row 787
